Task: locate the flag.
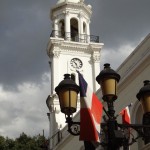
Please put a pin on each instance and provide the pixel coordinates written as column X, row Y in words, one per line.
column 126, row 115
column 90, row 112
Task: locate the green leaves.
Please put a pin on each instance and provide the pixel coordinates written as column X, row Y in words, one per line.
column 24, row 142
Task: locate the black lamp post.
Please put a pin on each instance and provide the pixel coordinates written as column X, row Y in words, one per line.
column 108, row 80
column 67, row 92
column 144, row 97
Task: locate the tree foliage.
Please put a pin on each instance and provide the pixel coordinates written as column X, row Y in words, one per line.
column 24, row 142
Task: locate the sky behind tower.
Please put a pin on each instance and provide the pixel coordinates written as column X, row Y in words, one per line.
column 24, row 33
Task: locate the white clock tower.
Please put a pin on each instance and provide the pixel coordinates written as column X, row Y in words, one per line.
column 71, row 47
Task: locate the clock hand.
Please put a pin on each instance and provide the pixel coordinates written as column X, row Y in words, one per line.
column 76, row 64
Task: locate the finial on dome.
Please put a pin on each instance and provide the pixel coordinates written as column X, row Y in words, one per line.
column 72, row 1
column 90, row 6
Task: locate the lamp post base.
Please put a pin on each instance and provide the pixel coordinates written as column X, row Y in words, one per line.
column 146, row 121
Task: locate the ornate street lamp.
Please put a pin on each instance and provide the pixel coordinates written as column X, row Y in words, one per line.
column 115, row 138
column 108, row 80
column 114, row 132
column 144, row 97
column 67, row 91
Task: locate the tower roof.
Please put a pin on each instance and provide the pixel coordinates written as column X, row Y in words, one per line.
column 72, row 1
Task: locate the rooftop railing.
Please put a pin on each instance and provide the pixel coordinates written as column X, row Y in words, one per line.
column 75, row 37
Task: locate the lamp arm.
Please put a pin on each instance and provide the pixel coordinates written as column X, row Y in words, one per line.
column 106, row 113
column 73, row 127
column 137, row 127
column 134, row 140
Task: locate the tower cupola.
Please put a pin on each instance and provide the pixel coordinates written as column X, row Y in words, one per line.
column 71, row 43
column 71, row 21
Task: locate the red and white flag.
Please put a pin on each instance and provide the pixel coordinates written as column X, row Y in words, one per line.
column 90, row 113
column 126, row 115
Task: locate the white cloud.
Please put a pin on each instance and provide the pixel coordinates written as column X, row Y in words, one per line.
column 25, row 28
column 25, row 110
column 116, row 57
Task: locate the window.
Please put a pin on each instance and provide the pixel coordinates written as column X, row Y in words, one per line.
column 74, row 30
column 61, row 29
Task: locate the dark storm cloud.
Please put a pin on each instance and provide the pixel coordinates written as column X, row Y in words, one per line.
column 24, row 33
column 25, row 28
column 120, row 21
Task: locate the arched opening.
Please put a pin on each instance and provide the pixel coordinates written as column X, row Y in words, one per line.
column 74, row 29
column 84, row 28
column 61, row 28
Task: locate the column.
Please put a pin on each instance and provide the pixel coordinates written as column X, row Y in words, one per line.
column 96, row 69
column 55, row 69
column 81, row 36
column 53, row 128
column 88, row 31
column 56, row 28
column 67, row 26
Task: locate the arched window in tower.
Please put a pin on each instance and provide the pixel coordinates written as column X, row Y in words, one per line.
column 84, row 28
column 61, row 29
column 74, row 30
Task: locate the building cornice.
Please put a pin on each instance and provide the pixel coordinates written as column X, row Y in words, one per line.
column 71, row 6
column 63, row 46
column 135, row 51
column 133, row 73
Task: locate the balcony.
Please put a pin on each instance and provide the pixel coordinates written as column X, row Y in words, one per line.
column 74, row 37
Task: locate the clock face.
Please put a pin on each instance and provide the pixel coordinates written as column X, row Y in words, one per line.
column 76, row 63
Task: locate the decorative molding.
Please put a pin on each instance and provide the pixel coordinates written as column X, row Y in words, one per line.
column 80, row 15
column 68, row 47
column 73, row 7
column 55, row 54
column 66, row 12
column 50, row 102
column 88, row 21
column 95, row 58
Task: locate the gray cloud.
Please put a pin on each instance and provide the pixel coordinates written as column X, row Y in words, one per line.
column 24, row 111
column 24, row 33
column 119, row 22
column 25, row 28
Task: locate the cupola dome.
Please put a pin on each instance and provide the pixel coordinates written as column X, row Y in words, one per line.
column 71, row 1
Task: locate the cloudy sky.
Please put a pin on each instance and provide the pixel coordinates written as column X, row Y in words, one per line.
column 24, row 32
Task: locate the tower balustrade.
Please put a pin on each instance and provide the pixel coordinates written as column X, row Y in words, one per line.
column 70, row 36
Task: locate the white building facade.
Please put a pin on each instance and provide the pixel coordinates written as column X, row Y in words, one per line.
column 71, row 47
column 134, row 70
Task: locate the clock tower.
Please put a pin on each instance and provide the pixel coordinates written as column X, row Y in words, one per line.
column 71, row 47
